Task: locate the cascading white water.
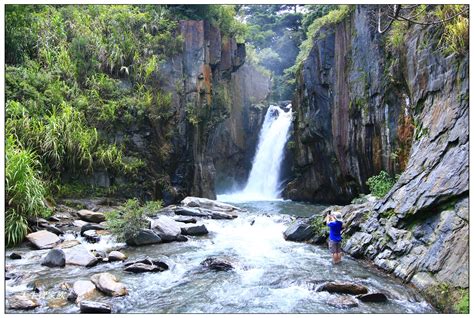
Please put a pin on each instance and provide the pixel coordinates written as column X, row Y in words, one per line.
column 263, row 182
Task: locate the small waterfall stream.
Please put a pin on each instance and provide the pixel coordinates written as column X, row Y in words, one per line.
column 263, row 183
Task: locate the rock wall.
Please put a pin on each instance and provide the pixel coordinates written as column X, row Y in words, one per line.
column 212, row 119
column 351, row 121
column 420, row 230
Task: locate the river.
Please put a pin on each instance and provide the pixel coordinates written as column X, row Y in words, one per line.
column 271, row 275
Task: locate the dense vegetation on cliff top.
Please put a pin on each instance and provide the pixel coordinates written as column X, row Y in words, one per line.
column 75, row 72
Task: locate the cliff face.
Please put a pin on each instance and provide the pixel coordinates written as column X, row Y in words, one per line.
column 405, row 112
column 351, row 121
column 212, row 93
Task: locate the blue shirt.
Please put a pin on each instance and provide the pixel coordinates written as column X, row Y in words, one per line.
column 335, row 228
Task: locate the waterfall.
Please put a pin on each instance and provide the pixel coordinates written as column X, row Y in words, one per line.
column 264, row 179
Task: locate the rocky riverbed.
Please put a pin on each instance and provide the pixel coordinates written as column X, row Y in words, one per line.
column 210, row 257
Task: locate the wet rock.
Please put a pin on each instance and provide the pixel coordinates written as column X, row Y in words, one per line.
column 68, row 244
column 373, row 298
column 79, row 223
column 79, row 255
column 166, row 228
column 43, row 239
column 55, row 258
column 144, row 237
column 344, row 288
column 140, row 268
column 83, row 289
column 91, row 236
column 149, row 265
column 90, row 216
column 15, row 256
column 357, row 243
column 57, row 302
column 22, row 302
column 185, row 219
column 116, row 256
column 37, row 286
column 89, row 307
column 214, row 205
column 222, row 216
column 298, row 232
column 343, row 302
column 108, row 284
column 53, row 229
column 190, row 212
column 91, row 226
column 54, row 218
column 194, row 230
column 217, row 264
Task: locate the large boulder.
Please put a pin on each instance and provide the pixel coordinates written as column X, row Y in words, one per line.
column 299, row 231
column 144, row 237
column 194, row 230
column 80, row 255
column 83, row 289
column 43, row 239
column 166, row 228
column 185, row 219
column 344, row 288
column 55, row 258
column 90, row 307
column 195, row 202
column 109, row 285
column 186, row 211
column 91, row 236
column 22, row 302
column 90, row 216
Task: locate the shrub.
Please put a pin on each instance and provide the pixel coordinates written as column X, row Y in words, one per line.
column 380, row 184
column 25, row 192
column 319, row 226
column 462, row 306
column 455, row 37
column 125, row 222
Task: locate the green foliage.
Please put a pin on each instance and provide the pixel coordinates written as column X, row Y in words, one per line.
column 455, row 37
column 396, row 35
column 462, row 306
column 334, row 16
column 319, row 226
column 380, row 184
column 125, row 222
column 25, row 192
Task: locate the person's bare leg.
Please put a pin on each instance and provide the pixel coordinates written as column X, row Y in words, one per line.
column 334, row 258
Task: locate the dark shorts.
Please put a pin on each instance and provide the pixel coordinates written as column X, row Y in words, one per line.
column 334, row 247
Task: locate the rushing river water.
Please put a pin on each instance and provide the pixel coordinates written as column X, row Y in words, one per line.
column 271, row 275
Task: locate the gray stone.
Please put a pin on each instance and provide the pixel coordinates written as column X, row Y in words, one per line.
column 15, row 256
column 194, row 230
column 141, row 267
column 91, row 236
column 217, row 264
column 116, row 256
column 79, row 255
column 357, row 243
column 89, row 307
column 185, row 219
column 83, row 289
column 144, row 237
column 209, row 204
column 166, row 228
column 109, row 285
column 43, row 239
column 342, row 302
column 55, row 258
column 298, row 232
column 22, row 302
column 185, row 211
column 90, row 216
column 91, row 226
column 222, row 216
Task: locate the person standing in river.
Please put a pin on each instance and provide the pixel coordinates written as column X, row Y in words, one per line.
column 334, row 222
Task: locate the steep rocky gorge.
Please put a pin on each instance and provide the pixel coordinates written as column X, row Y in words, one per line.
column 362, row 108
column 208, row 108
